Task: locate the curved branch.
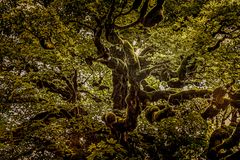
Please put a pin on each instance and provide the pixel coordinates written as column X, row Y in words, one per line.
column 143, row 12
column 146, row 72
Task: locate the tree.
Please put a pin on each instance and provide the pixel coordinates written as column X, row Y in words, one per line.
column 51, row 52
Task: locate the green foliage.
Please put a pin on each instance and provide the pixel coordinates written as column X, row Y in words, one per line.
column 174, row 137
column 108, row 149
column 59, row 74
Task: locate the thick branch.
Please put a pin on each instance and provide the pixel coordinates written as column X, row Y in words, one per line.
column 174, row 97
column 133, row 108
column 154, row 114
column 188, row 95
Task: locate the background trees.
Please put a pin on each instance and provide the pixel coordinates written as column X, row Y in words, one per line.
column 119, row 79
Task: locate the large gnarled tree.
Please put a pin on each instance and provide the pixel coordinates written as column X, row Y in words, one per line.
column 57, row 27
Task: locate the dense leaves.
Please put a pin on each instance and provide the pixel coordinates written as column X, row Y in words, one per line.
column 119, row 79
